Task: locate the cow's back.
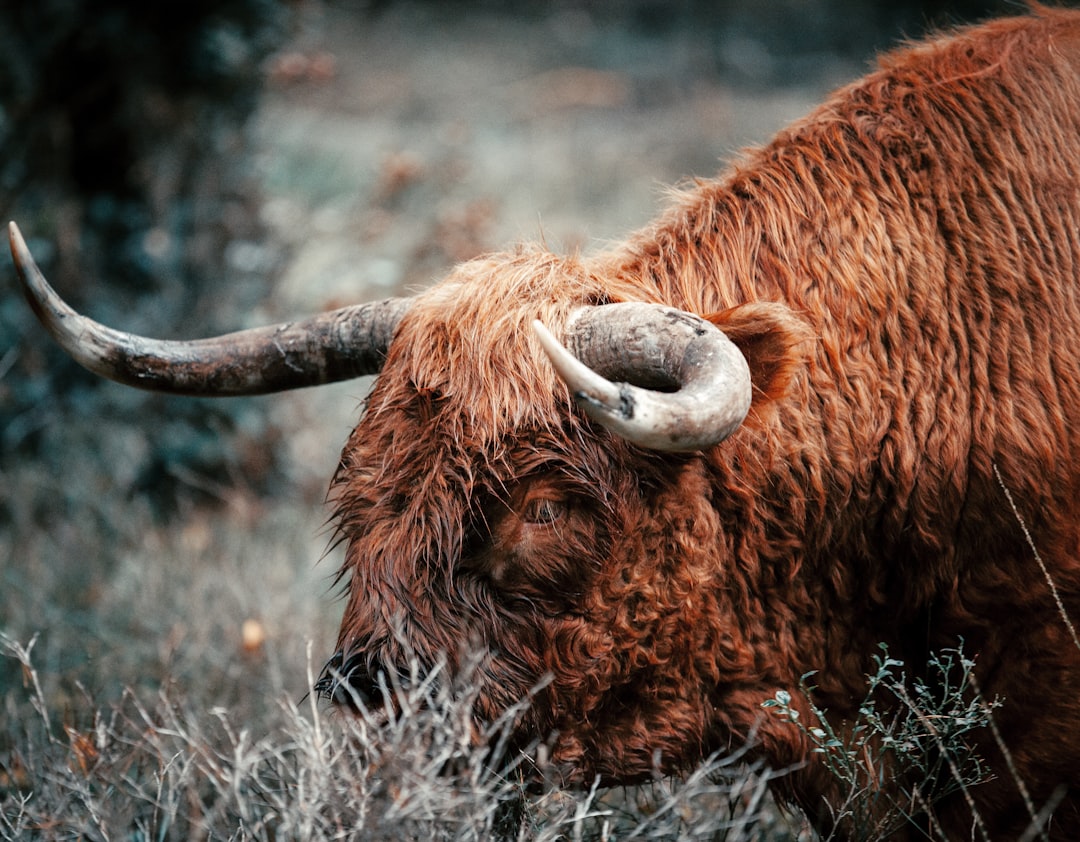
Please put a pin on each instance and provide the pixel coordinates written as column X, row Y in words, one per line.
column 954, row 350
column 980, row 339
column 926, row 222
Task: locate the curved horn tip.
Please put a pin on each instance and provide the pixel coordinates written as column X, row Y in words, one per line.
column 16, row 241
column 25, row 264
column 581, row 379
column 546, row 337
column 554, row 349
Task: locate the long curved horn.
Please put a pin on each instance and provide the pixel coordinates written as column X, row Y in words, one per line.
column 332, row 346
column 686, row 386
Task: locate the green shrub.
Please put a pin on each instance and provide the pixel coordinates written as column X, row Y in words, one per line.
column 915, row 731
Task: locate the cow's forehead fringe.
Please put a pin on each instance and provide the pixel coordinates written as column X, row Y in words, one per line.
column 468, row 342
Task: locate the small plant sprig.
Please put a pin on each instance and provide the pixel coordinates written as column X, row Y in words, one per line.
column 897, row 761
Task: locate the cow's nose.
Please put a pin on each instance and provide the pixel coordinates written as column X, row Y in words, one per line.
column 352, row 681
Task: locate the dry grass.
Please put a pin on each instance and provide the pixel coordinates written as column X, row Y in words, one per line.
column 153, row 685
column 161, row 770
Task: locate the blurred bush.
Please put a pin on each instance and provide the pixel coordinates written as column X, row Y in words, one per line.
column 123, row 156
column 763, row 42
column 781, row 41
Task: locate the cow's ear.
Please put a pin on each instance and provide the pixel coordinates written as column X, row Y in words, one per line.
column 776, row 342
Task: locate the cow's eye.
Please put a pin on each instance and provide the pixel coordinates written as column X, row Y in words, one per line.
column 542, row 510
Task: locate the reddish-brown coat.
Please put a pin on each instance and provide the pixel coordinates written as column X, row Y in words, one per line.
column 901, row 269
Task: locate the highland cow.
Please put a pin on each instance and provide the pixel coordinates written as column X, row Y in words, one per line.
column 776, row 429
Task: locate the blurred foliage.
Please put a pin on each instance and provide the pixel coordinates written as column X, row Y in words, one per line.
column 764, row 42
column 786, row 38
column 124, row 158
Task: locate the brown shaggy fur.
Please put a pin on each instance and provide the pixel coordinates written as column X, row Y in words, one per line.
column 901, row 269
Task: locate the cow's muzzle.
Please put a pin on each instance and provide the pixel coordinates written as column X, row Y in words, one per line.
column 358, row 681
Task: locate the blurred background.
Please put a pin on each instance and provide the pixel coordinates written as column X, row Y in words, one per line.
column 183, row 169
